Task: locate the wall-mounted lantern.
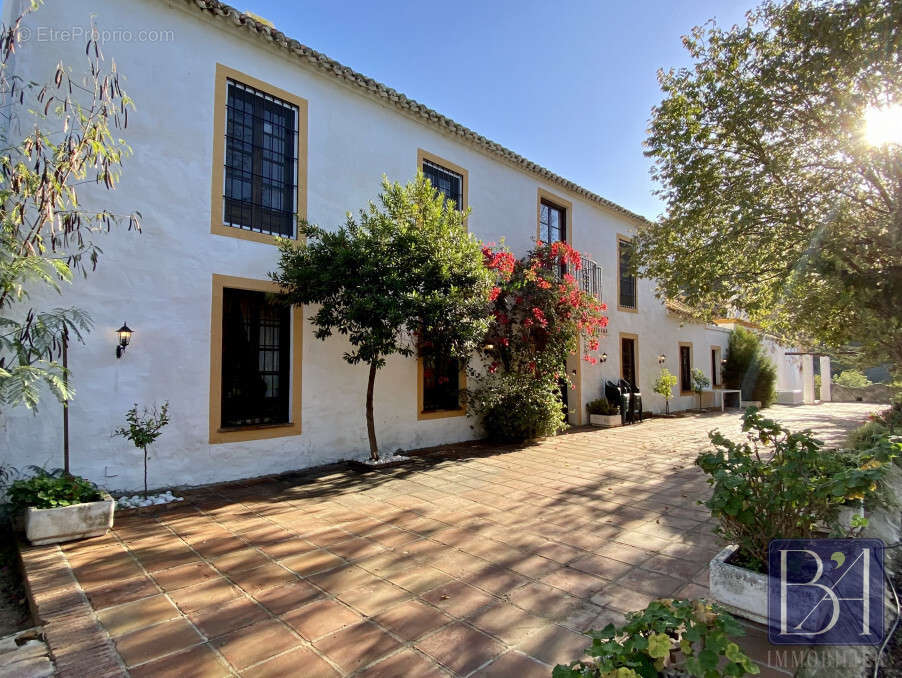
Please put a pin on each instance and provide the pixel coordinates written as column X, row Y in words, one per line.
column 603, row 358
column 125, row 336
column 661, row 359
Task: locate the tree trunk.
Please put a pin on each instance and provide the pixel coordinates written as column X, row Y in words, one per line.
column 667, row 406
column 145, row 471
column 370, row 425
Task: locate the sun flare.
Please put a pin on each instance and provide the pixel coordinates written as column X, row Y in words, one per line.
column 883, row 125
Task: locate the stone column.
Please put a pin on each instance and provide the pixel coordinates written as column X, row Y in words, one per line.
column 826, row 381
column 808, row 379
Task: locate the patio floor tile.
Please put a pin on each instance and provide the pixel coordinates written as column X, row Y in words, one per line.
column 120, row 592
column 211, row 592
column 156, row 641
column 402, row 664
column 132, row 616
column 297, row 662
column 227, row 617
column 253, row 644
column 460, row 648
column 514, row 664
column 320, row 618
column 412, row 619
column 282, row 599
column 198, row 662
column 355, row 646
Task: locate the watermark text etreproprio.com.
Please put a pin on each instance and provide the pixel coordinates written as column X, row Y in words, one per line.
column 101, row 35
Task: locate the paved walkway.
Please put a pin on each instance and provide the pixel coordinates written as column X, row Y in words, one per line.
column 472, row 562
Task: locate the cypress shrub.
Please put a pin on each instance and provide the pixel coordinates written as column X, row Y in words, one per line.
column 749, row 369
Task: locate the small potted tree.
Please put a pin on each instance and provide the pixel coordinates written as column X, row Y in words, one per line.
column 699, row 383
column 143, row 429
column 55, row 506
column 603, row 413
column 664, row 387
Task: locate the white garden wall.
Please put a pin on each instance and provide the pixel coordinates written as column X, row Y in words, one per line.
column 159, row 281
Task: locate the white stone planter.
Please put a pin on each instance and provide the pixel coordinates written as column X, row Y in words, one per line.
column 604, row 420
column 737, row 589
column 51, row 526
column 750, row 403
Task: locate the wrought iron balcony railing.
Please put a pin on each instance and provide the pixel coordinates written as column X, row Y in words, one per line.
column 589, row 277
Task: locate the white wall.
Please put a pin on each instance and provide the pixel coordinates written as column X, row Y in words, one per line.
column 160, row 281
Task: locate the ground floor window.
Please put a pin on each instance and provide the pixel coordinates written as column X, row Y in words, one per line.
column 685, row 368
column 441, row 379
column 256, row 347
column 441, row 384
column 255, row 362
column 628, row 360
column 715, row 366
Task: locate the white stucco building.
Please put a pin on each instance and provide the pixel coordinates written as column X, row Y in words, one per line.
column 236, row 129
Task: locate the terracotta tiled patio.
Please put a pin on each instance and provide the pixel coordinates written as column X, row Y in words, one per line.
column 471, row 561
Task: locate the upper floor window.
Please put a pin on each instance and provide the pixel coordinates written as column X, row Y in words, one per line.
column 552, row 222
column 627, row 281
column 450, row 183
column 261, row 158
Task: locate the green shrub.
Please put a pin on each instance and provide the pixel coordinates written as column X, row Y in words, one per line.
column 852, row 379
column 688, row 635
column 602, row 406
column 749, row 369
column 866, row 436
column 787, row 494
column 515, row 407
column 51, row 490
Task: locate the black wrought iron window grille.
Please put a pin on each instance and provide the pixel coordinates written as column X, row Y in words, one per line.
column 261, row 156
column 449, row 183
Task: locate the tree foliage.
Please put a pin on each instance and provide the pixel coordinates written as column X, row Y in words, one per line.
column 776, row 205
column 45, row 232
column 406, row 269
column 748, row 368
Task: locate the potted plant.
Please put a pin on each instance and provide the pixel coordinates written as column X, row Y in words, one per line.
column 791, row 491
column 56, row 506
column 603, row 413
column 664, row 387
column 699, row 383
column 667, row 638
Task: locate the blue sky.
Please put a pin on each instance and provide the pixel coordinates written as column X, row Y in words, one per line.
column 569, row 85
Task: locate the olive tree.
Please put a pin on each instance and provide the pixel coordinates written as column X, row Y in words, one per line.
column 405, row 269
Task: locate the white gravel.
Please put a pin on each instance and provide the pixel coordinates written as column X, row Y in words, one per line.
column 138, row 500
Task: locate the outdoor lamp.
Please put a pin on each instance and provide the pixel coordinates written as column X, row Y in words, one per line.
column 603, row 358
column 723, row 362
column 661, row 359
column 125, row 336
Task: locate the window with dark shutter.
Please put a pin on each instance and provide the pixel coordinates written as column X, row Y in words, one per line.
column 627, row 284
column 448, row 182
column 256, row 348
column 261, row 145
column 685, row 369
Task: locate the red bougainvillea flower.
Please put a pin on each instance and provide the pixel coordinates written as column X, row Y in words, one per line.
column 494, row 293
